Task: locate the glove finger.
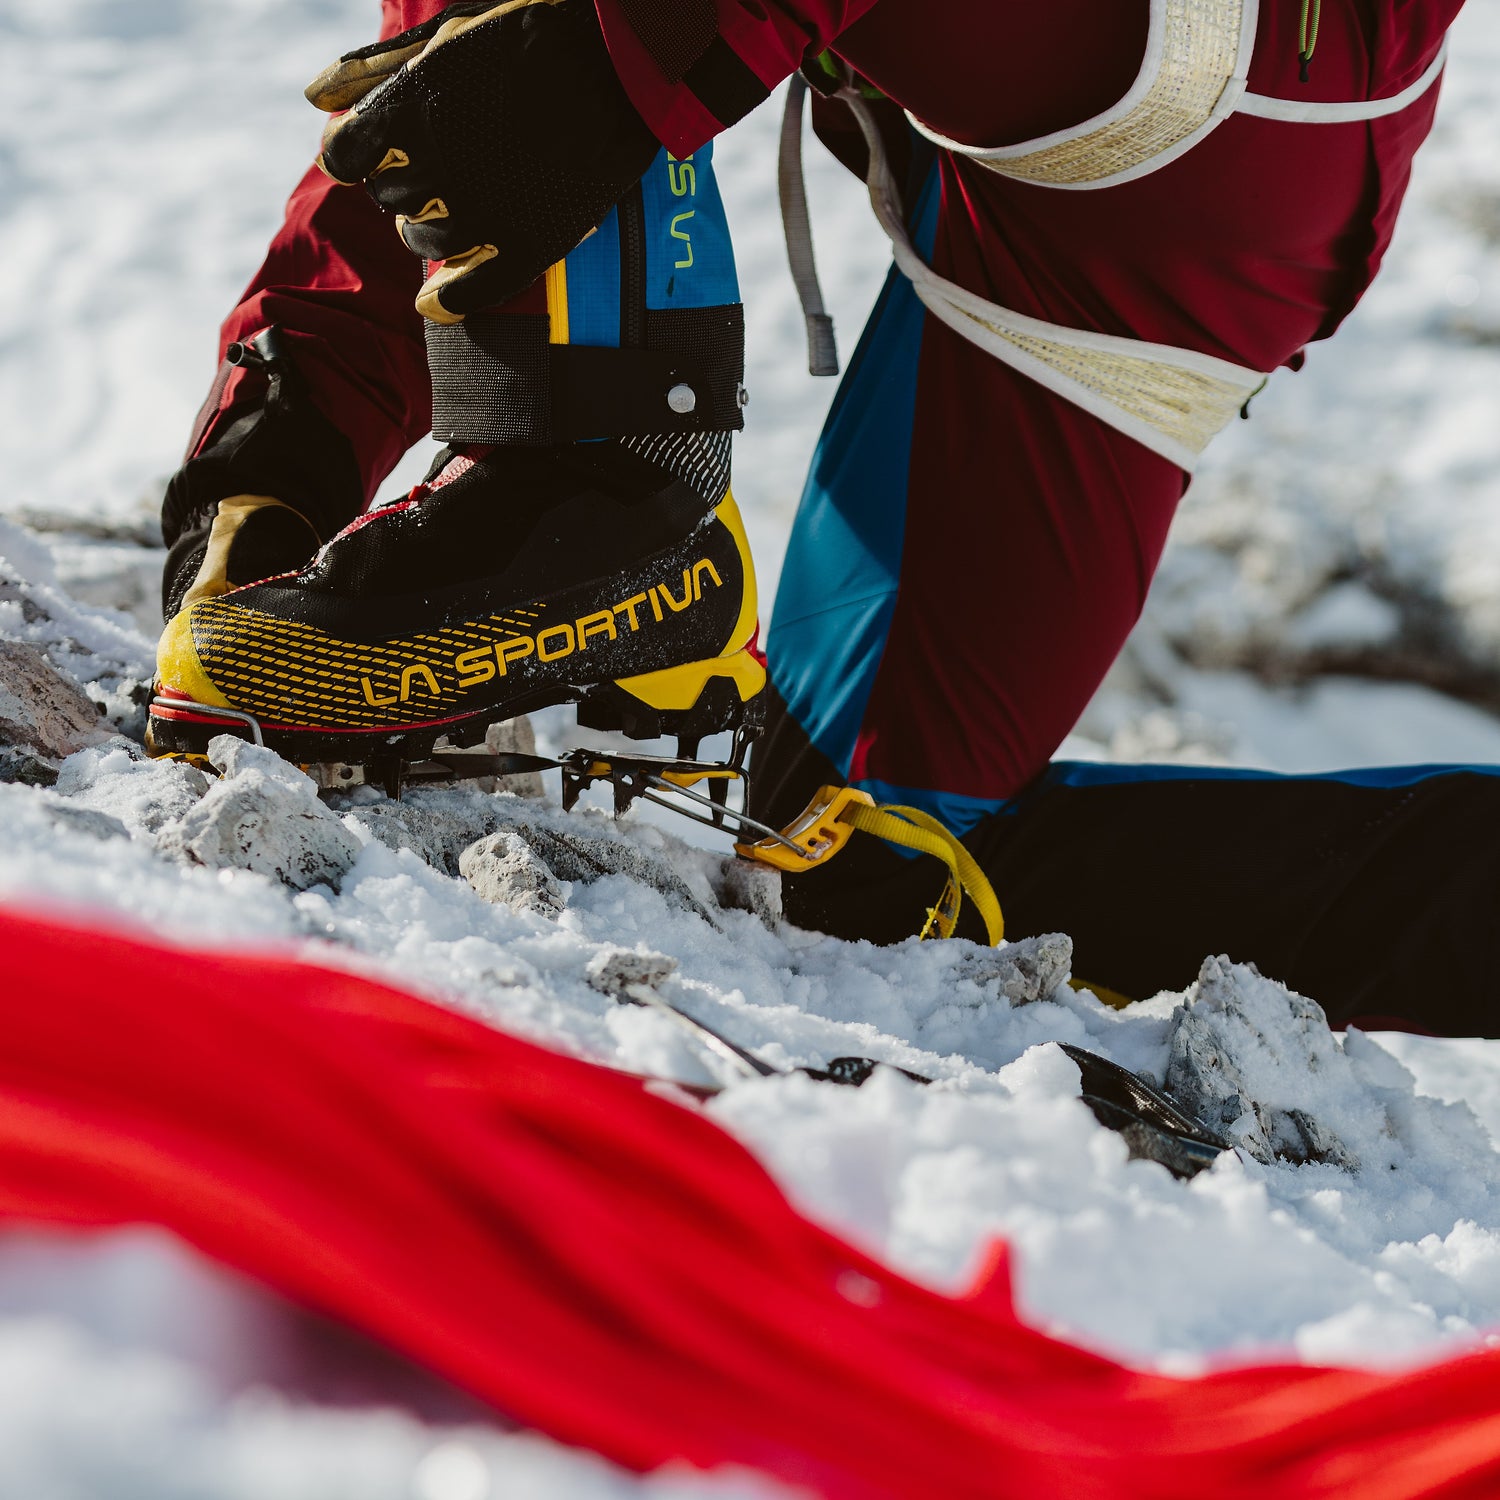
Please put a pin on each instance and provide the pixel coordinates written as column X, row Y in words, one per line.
column 458, row 19
column 344, row 83
column 360, row 143
column 459, row 285
column 480, row 276
column 433, row 234
column 405, row 188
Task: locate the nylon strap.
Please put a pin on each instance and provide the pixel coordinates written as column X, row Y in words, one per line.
column 822, row 352
column 911, row 828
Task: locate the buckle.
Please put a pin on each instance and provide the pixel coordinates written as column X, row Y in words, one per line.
column 814, row 836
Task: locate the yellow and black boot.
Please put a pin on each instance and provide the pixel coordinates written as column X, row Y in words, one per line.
column 513, row 579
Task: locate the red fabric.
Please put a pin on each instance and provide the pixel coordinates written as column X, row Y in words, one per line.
column 608, row 1266
column 343, row 287
column 1032, row 530
column 770, row 39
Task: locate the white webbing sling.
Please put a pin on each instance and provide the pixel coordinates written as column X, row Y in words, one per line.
column 1192, row 79
column 1173, row 401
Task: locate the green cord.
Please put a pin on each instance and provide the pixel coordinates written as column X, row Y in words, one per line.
column 1307, row 36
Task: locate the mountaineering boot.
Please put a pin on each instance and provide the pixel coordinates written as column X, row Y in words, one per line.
column 512, row 579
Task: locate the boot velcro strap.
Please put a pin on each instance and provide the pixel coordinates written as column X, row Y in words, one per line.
column 497, row 379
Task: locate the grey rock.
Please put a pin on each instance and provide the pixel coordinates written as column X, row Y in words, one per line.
column 1218, row 1038
column 743, row 885
column 586, row 857
column 1296, row 1136
column 263, row 816
column 25, row 768
column 515, row 737
column 118, row 778
column 383, row 825
column 616, row 971
column 436, row 825
column 505, row 870
column 1024, row 971
column 85, row 821
column 40, row 709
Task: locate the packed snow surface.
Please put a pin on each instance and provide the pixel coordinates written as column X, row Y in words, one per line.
column 1329, row 599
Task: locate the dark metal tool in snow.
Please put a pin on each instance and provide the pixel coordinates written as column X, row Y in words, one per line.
column 1151, row 1125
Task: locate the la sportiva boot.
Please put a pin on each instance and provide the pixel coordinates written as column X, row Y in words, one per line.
column 512, row 579
column 577, row 545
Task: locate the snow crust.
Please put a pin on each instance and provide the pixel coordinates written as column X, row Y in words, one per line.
column 1329, row 598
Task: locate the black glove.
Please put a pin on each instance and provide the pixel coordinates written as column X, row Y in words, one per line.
column 499, row 134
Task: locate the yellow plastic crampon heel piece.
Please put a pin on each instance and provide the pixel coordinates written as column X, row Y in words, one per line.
column 706, row 773
column 815, row 835
column 838, row 811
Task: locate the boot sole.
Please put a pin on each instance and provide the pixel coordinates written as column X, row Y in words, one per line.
column 690, row 701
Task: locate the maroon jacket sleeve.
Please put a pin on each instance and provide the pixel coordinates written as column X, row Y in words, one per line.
column 342, row 287
column 694, row 67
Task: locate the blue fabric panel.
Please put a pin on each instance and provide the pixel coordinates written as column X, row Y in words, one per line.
column 957, row 813
column 594, row 287
column 1095, row 773
column 843, row 563
column 689, row 257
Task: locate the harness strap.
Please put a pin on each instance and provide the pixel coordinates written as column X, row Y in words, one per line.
column 822, row 353
column 1195, row 67
column 1193, row 77
column 1296, row 112
column 1172, row 401
column 911, row 828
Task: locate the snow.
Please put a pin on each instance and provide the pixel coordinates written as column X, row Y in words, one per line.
column 1329, row 598
column 139, row 1370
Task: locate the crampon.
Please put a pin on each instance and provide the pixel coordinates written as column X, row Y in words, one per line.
column 509, row 582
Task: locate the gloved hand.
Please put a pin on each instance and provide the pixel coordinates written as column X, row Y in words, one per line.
column 498, row 133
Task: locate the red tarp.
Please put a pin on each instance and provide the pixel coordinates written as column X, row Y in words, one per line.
column 610, row 1267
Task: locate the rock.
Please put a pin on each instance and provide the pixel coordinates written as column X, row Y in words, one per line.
column 21, row 766
column 505, row 870
column 118, row 778
column 514, row 737
column 1025, row 971
column 263, row 816
column 95, row 647
column 40, row 709
column 743, row 885
column 436, row 824
column 1241, row 1051
column 91, row 824
column 585, row 857
column 617, row 970
column 395, row 834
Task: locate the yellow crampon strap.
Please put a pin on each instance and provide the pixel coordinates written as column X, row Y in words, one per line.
column 913, row 829
column 1102, row 993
